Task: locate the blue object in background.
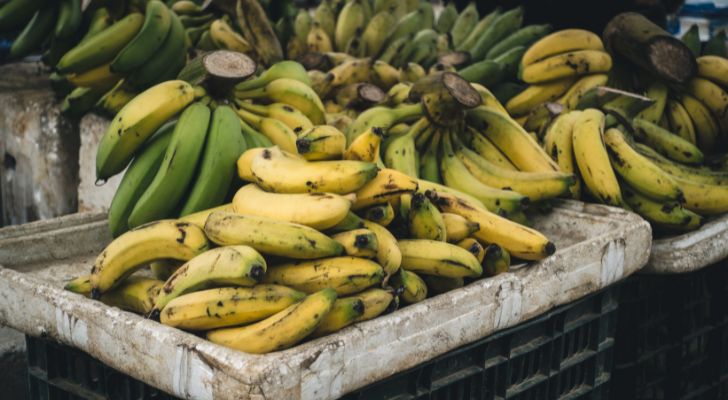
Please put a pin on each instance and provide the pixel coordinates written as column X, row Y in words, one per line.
column 711, row 16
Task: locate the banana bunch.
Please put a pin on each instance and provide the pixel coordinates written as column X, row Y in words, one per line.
column 119, row 57
column 50, row 27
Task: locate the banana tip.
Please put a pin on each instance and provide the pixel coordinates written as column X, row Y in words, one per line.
column 95, row 294
column 257, row 272
column 550, row 248
column 154, row 315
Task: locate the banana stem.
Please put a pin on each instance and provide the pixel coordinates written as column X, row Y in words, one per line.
column 254, row 108
column 251, row 94
column 407, row 112
column 249, row 117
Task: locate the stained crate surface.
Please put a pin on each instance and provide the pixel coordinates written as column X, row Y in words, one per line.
column 565, row 354
column 672, row 336
column 596, row 247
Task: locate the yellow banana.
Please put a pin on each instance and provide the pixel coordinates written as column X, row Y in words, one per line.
column 694, row 174
column 560, row 42
column 638, row 171
column 386, row 185
column 115, row 99
column 292, row 92
column 346, row 311
column 246, row 159
column 285, row 113
column 571, row 98
column 425, row 220
column 486, row 149
column 441, row 284
column 489, row 98
column 707, row 131
column 228, row 306
column 713, row 97
column 714, row 69
column 703, row 198
column 322, row 142
column 558, row 143
column 458, row 228
column 522, row 103
column 280, row 331
column 318, row 40
column 592, row 158
column 412, row 286
column 680, row 122
column 275, row 130
column 383, row 214
column 199, row 218
column 100, row 76
column 474, row 247
column 431, row 257
column 497, row 260
column 366, row 147
column 229, row 265
column 667, row 143
column 352, row 18
column 226, row 38
column 153, row 241
column 376, row 302
column 346, row 275
column 270, row 236
column 658, row 92
column 574, row 63
column 519, row 240
column 278, row 172
column 388, row 254
column 670, row 215
column 135, row 294
column 358, row 243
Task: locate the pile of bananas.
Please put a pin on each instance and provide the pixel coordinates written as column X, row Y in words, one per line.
column 386, row 42
column 650, row 154
column 303, row 250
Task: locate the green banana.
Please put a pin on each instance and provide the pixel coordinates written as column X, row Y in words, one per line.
column 149, row 39
column 667, row 143
column 691, row 38
column 224, row 144
column 446, row 19
column 401, row 154
column 34, row 34
column 465, row 25
column 501, row 27
column 137, row 178
column 69, row 18
column 716, row 46
column 16, row 13
column 178, row 166
column 166, row 62
column 525, row 36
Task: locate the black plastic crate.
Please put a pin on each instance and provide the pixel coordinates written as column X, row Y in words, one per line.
column 564, row 354
column 672, row 337
column 57, row 372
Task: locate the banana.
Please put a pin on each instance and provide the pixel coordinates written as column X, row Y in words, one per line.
column 383, row 214
column 302, row 24
column 246, row 159
column 707, row 131
column 280, row 331
column 386, row 77
column 113, row 101
column 157, row 240
column 358, row 243
column 186, row 7
column 80, row 285
column 703, row 198
column 667, row 143
column 519, row 240
column 439, row 284
column 413, row 288
column 561, row 42
column 16, row 13
column 350, row 222
column 715, row 46
column 292, row 92
column 137, row 178
column 497, row 260
column 401, row 154
column 69, row 18
column 382, row 117
column 103, row 47
column 316, row 210
column 558, row 143
column 345, row 274
column 417, row 20
column 465, row 25
column 388, row 254
column 388, row 184
column 446, row 19
column 575, row 63
column 694, row 174
column 425, row 220
column 135, row 294
column 536, row 186
column 429, row 164
column 393, row 48
column 275, row 171
column 318, row 41
column 592, row 158
column 425, row 186
column 346, row 311
column 502, row 26
column 257, row 30
column 176, row 171
column 486, row 149
column 290, row 116
column 199, row 218
column 136, row 122
column 321, row 142
column 276, row 131
column 412, row 72
column 430, row 257
column 522, row 37
column 456, row 175
column 163, row 269
column 714, row 69
column 512, row 140
column 224, row 37
column 216, row 308
column 377, row 32
column 536, row 94
column 270, row 236
column 713, row 97
column 573, row 96
column 280, row 70
column 229, row 265
column 223, row 146
column 359, row 96
column 638, row 171
column 34, row 33
column 366, row 147
column 100, row 76
column 662, row 214
column 474, row 247
column 376, row 302
column 458, row 228
column 691, row 38
column 657, row 92
column 325, row 17
column 350, row 20
column 680, row 121
column 148, row 40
